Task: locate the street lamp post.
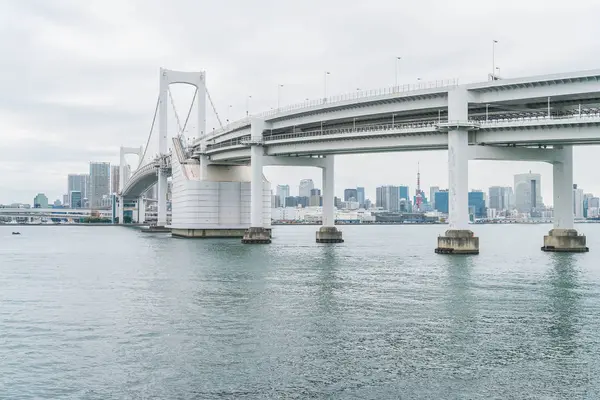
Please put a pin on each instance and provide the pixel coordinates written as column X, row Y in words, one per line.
column 279, row 94
column 498, row 69
column 248, row 105
column 494, row 58
column 396, row 70
column 325, row 85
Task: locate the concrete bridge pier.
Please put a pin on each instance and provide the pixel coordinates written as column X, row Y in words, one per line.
column 121, row 211
column 141, row 208
column 257, row 233
column 563, row 237
column 328, row 233
column 458, row 239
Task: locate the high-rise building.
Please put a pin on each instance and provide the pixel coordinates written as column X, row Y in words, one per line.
column 76, row 199
column 306, row 185
column 80, row 183
column 282, row 192
column 403, row 193
column 99, row 183
column 40, row 201
column 114, row 179
column 586, row 203
column 528, row 192
column 477, row 204
column 360, row 192
column 65, row 199
column 315, row 199
column 499, row 197
column 441, row 201
column 432, row 191
column 577, row 202
column 388, row 198
column 350, row 194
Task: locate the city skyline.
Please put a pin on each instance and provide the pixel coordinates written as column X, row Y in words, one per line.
column 57, row 126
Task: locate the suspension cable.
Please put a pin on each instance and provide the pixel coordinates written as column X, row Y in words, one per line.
column 213, row 107
column 189, row 111
column 175, row 110
column 151, row 129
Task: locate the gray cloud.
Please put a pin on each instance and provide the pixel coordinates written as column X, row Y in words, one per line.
column 80, row 78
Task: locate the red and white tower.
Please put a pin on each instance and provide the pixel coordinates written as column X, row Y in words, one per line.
column 418, row 196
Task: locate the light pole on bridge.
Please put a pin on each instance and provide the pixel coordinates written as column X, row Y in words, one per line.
column 279, row 86
column 325, row 85
column 494, row 41
column 396, row 70
column 248, row 105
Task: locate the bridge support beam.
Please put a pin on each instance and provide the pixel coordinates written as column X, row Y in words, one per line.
column 458, row 239
column 328, row 233
column 563, row 237
column 257, row 233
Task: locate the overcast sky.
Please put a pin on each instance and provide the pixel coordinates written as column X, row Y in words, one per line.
column 80, row 78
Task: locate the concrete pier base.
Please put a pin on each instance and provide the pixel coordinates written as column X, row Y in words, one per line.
column 207, row 233
column 257, row 236
column 458, row 241
column 565, row 241
column 329, row 234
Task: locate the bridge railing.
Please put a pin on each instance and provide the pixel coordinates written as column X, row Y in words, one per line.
column 325, row 132
column 398, row 89
column 539, row 118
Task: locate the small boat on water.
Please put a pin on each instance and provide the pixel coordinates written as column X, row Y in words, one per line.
column 16, row 233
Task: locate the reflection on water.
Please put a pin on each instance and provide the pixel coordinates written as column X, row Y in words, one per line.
column 564, row 301
column 380, row 316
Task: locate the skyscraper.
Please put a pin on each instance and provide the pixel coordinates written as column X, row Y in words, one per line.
column 432, row 191
column 403, row 192
column 282, row 192
column 114, row 179
column 99, row 183
column 315, row 199
column 499, row 197
column 528, row 192
column 79, row 183
column 40, row 201
column 76, row 200
column 388, row 198
column 441, row 201
column 360, row 192
column 350, row 194
column 306, row 185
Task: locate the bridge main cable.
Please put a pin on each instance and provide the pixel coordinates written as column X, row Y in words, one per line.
column 151, row 129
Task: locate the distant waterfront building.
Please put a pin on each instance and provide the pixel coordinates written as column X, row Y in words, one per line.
column 57, row 203
column 577, row 202
column 306, row 185
column 403, row 193
column 499, row 197
column 441, row 201
column 40, row 201
column 388, row 198
column 114, row 178
column 586, row 203
column 360, row 192
column 350, row 195
column 76, row 199
column 338, row 202
column 65, row 199
column 477, row 204
column 79, row 183
column 432, row 191
column 99, row 183
column 316, row 199
column 282, row 192
column 528, row 192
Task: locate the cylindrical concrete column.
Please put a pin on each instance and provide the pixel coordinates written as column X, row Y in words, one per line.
column 562, row 179
column 121, row 210
column 256, row 187
column 162, row 197
column 328, row 192
column 141, row 210
column 458, row 174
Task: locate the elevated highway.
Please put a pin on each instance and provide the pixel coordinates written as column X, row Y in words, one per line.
column 535, row 118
